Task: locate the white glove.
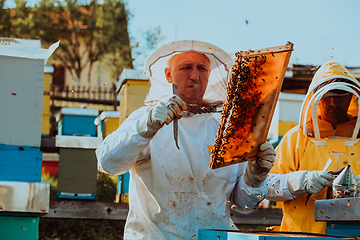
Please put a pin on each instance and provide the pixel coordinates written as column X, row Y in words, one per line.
column 163, row 112
column 301, row 182
column 258, row 169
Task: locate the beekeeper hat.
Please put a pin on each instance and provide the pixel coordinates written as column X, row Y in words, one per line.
column 155, row 64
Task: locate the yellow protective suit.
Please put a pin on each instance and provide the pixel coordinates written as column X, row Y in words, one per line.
column 309, row 145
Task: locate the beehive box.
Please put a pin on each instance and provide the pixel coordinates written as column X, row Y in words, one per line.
column 19, row 228
column 133, row 85
column 205, row 234
column 107, row 122
column 20, row 163
column 342, row 215
column 21, row 93
column 24, row 197
column 46, row 114
column 77, row 172
column 122, row 193
column 77, row 122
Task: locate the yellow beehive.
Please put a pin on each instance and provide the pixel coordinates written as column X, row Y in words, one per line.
column 107, row 122
column 46, row 114
column 133, row 87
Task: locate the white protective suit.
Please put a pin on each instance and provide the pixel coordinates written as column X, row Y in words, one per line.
column 173, row 193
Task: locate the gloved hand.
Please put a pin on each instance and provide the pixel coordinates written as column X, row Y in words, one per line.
column 163, row 112
column 301, row 182
column 258, row 169
column 358, row 178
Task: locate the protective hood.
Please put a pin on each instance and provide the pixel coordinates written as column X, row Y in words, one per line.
column 155, row 64
column 330, row 76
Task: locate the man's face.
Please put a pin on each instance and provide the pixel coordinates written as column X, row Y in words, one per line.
column 190, row 71
column 334, row 109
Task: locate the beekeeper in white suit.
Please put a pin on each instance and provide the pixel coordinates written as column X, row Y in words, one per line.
column 173, row 192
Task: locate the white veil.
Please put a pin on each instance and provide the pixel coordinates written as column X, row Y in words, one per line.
column 220, row 64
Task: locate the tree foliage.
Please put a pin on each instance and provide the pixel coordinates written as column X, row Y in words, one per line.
column 87, row 33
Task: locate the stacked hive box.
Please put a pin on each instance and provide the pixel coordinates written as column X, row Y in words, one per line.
column 22, row 194
column 133, row 87
column 77, row 141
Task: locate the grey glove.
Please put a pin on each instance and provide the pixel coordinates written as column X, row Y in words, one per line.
column 301, row 182
column 358, row 178
column 258, row 169
column 162, row 113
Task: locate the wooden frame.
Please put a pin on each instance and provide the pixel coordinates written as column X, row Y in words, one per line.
column 253, row 90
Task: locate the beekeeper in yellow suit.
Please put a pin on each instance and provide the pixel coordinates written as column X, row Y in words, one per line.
column 328, row 128
column 173, row 192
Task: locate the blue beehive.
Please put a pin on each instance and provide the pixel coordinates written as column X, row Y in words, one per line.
column 77, row 122
column 20, row 163
column 205, row 234
column 122, row 193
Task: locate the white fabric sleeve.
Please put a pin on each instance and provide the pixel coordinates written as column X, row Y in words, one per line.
column 247, row 198
column 279, row 187
column 120, row 150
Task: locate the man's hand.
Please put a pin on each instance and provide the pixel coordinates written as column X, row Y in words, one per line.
column 162, row 113
column 257, row 169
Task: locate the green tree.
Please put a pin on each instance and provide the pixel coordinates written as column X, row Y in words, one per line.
column 5, row 27
column 87, row 33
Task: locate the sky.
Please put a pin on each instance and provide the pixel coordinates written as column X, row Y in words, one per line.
column 320, row 30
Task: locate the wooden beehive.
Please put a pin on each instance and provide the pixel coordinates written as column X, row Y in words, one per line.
column 252, row 94
column 46, row 114
column 77, row 122
column 107, row 122
column 133, row 86
column 77, row 174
